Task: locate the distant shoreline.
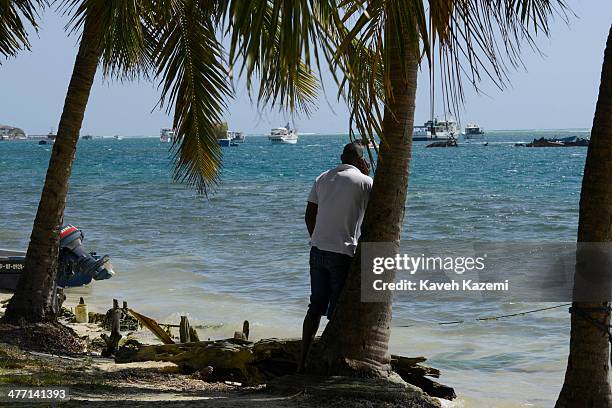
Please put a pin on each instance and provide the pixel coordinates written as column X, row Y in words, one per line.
column 492, row 131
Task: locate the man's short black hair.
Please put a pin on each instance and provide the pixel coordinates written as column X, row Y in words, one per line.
column 352, row 152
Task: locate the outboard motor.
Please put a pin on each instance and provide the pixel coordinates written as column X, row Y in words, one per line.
column 76, row 266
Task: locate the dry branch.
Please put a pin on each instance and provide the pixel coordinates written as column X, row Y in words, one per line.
column 259, row 362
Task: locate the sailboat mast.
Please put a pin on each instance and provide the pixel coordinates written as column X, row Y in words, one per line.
column 432, row 80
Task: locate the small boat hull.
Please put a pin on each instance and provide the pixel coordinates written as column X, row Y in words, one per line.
column 12, row 264
column 75, row 266
column 430, row 139
column 283, row 139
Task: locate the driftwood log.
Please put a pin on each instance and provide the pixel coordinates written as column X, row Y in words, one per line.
column 256, row 363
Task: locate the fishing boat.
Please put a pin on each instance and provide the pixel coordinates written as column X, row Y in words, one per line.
column 436, row 129
column 473, row 132
column 166, row 135
column 236, row 137
column 284, row 135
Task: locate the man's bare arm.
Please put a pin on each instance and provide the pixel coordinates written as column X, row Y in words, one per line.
column 311, row 217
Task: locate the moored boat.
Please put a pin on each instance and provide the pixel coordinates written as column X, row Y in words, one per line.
column 436, row 129
column 225, row 141
column 236, row 137
column 284, row 135
column 572, row 141
column 473, row 132
column 166, row 135
column 76, row 267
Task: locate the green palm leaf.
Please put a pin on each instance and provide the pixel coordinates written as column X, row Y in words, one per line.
column 275, row 43
column 123, row 42
column 13, row 30
column 194, row 79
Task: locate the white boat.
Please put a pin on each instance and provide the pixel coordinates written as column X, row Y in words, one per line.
column 236, row 137
column 117, row 137
column 283, row 135
column 473, row 132
column 225, row 141
column 166, row 135
column 437, row 129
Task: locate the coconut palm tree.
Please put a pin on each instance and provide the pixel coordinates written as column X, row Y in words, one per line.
column 34, row 298
column 176, row 42
column 587, row 382
column 379, row 57
column 13, row 31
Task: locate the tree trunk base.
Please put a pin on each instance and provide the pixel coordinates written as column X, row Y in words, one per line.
column 592, row 397
column 391, row 389
column 52, row 338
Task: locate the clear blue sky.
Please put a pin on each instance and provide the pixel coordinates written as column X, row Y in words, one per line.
column 558, row 90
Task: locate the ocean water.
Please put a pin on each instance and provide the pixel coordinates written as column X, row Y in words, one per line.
column 242, row 253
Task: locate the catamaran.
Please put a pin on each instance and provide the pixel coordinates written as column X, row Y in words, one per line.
column 436, row 129
column 283, row 135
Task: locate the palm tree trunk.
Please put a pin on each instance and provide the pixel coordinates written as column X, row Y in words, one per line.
column 34, row 298
column 356, row 340
column 586, row 379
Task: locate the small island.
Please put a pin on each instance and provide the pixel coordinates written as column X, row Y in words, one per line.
column 11, row 133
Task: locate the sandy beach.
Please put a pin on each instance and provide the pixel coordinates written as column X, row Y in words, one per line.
column 101, row 382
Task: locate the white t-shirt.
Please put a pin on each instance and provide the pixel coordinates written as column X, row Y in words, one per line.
column 342, row 196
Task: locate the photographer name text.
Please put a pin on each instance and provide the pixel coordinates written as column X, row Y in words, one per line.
column 425, row 285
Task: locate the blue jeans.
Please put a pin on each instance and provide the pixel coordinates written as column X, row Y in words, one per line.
column 328, row 271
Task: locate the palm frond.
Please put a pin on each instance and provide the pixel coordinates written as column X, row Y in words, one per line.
column 123, row 23
column 275, row 43
column 194, row 81
column 14, row 15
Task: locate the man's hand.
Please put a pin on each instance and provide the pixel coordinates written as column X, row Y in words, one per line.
column 311, row 216
column 363, row 166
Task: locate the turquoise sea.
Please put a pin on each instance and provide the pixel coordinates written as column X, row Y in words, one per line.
column 242, row 253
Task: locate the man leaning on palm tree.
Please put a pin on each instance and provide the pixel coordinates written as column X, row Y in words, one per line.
column 334, row 212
